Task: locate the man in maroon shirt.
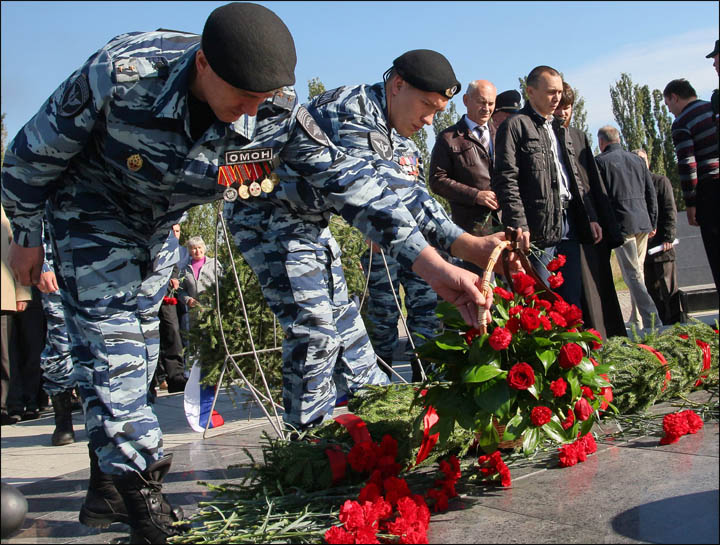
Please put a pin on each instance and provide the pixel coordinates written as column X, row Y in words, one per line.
column 695, row 136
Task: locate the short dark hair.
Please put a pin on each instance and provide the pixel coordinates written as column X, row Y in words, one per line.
column 568, row 96
column 536, row 72
column 680, row 87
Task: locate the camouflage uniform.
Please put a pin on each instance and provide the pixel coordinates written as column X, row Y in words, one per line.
column 56, row 362
column 111, row 150
column 354, row 118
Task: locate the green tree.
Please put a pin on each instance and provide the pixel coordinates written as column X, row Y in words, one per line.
column 420, row 138
column 443, row 120
column 315, row 87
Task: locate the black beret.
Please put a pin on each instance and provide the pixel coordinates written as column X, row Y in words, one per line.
column 249, row 47
column 428, row 71
column 508, row 101
column 714, row 51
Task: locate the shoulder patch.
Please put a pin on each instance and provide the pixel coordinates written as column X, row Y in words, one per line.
column 380, row 145
column 75, row 96
column 284, row 99
column 328, row 96
column 136, row 68
column 311, row 127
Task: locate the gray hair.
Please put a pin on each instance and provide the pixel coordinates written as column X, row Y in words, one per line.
column 196, row 241
column 609, row 133
column 642, row 153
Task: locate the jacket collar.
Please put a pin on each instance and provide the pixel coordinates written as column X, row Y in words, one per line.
column 172, row 102
column 530, row 111
column 614, row 146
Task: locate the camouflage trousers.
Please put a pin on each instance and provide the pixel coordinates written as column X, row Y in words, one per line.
column 111, row 295
column 56, row 362
column 326, row 350
column 382, row 313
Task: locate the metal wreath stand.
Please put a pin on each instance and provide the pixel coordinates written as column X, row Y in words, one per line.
column 275, row 419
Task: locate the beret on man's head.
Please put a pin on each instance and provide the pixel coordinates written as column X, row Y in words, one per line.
column 249, row 47
column 508, row 101
column 428, row 71
column 714, row 51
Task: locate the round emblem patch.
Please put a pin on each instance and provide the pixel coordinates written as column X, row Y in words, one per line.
column 230, row 194
column 75, row 96
column 135, row 162
column 380, row 144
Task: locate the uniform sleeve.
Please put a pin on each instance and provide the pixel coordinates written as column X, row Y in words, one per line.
column 350, row 132
column 687, row 164
column 506, row 176
column 48, row 265
column 351, row 188
column 41, row 152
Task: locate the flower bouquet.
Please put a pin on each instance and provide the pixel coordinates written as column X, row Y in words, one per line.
column 530, row 376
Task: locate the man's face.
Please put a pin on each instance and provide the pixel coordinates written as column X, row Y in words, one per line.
column 672, row 104
column 176, row 230
column 480, row 103
column 410, row 108
column 564, row 113
column 227, row 102
column 546, row 97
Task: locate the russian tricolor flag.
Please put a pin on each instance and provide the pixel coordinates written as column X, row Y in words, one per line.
column 198, row 402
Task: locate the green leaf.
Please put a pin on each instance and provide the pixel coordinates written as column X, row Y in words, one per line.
column 488, row 436
column 513, row 428
column 530, row 441
column 542, row 341
column 591, row 379
column 574, row 383
column 586, row 366
column 445, row 427
column 493, row 397
column 603, row 368
column 501, row 310
column 481, row 373
column 450, row 316
column 481, row 353
column 586, row 426
column 570, row 336
column 554, row 431
column 546, row 357
column 533, row 392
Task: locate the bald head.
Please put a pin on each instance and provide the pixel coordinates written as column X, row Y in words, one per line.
column 480, row 100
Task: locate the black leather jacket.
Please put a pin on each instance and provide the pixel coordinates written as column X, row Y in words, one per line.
column 527, row 184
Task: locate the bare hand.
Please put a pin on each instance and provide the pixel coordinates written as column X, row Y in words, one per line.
column 26, row 263
column 48, row 282
column 174, row 283
column 20, row 306
column 596, row 231
column 487, row 199
column 373, row 247
column 691, row 216
column 192, row 302
column 477, row 250
column 667, row 246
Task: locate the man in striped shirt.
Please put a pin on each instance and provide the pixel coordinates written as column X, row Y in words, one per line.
column 695, row 136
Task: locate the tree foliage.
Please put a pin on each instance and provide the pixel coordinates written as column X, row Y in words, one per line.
column 644, row 122
column 315, row 87
column 443, row 120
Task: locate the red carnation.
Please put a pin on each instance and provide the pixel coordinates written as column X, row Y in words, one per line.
column 352, row 515
column 529, row 319
column 514, row 310
column 559, row 305
column 583, row 409
column 547, row 326
column 694, row 422
column 573, row 315
column 366, row 535
column 542, row 303
column 590, row 444
column 513, row 325
column 568, row 455
column 540, row 416
column 388, row 446
column 556, row 280
column 606, row 392
column 500, row 339
column 580, row 451
column 363, row 456
column 521, row 376
column 587, row 392
column 337, row 534
column 471, row 334
column 441, row 499
column 395, row 488
column 571, row 355
column 502, row 292
column 558, row 387
column 524, row 284
column 370, row 492
column 569, row 421
column 557, row 263
column 558, row 318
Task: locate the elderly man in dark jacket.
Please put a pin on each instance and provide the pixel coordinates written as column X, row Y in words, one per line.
column 535, row 177
column 632, row 195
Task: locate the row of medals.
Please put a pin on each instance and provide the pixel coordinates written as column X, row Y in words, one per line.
column 253, row 190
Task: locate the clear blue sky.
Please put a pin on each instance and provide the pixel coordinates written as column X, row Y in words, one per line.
column 592, row 43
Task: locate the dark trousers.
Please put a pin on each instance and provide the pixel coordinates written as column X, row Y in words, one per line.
column 171, row 364
column 662, row 285
column 6, row 324
column 708, row 197
column 26, row 346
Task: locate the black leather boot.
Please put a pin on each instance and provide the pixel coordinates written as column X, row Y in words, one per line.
column 103, row 503
column 62, row 407
column 151, row 515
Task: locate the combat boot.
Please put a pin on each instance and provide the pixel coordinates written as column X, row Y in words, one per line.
column 62, row 407
column 103, row 503
column 151, row 515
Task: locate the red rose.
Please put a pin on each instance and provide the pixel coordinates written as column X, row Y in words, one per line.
column 513, row 325
column 557, row 318
column 568, row 455
column 595, row 344
column 500, row 338
column 694, row 422
column 540, row 416
column 569, row 421
column 583, row 409
column 547, row 326
column 337, row 534
column 556, row 280
column 502, row 292
column 557, row 263
column 521, row 376
column 571, row 355
column 471, row 334
column 558, row 387
column 529, row 319
column 524, row 284
column 515, row 310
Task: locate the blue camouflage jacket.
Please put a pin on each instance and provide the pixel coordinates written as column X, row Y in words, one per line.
column 355, row 121
column 111, row 149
